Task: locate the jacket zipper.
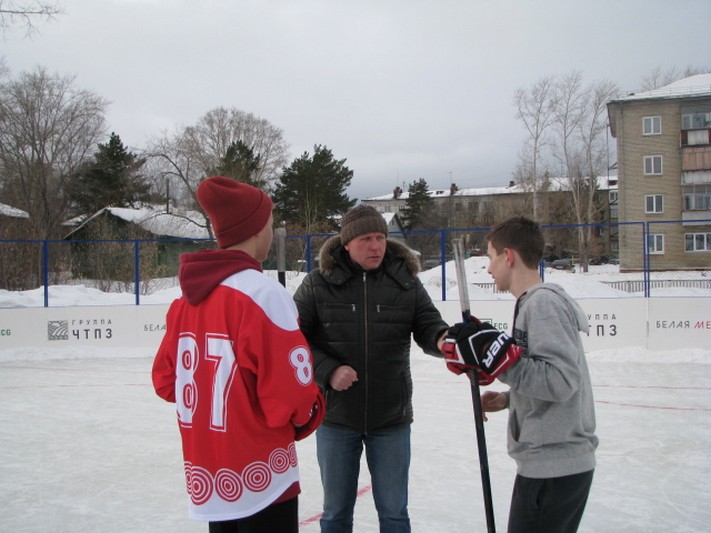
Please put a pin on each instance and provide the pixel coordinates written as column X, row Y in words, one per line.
column 365, row 349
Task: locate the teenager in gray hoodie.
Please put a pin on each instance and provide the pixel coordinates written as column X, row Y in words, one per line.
column 551, row 430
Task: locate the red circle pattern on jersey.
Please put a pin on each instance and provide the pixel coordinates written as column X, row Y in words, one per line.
column 228, row 485
column 257, row 476
column 279, row 461
column 292, row 454
column 200, row 484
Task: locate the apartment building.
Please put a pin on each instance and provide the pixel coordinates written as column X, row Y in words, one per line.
column 485, row 206
column 664, row 174
column 515, row 198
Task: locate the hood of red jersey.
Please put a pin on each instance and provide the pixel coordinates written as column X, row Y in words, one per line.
column 201, row 272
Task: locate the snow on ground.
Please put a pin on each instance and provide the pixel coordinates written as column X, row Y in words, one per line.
column 86, row 446
column 579, row 284
column 592, row 284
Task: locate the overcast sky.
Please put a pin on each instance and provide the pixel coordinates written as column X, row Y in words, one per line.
column 402, row 89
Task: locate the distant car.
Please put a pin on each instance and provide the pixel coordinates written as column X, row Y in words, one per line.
column 599, row 260
column 430, row 263
column 614, row 260
column 562, row 264
column 548, row 260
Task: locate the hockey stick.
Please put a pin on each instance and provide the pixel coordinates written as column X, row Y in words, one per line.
column 476, row 398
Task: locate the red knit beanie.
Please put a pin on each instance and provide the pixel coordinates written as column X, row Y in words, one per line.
column 236, row 210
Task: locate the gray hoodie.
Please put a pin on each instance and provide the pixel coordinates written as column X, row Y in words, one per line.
column 551, row 413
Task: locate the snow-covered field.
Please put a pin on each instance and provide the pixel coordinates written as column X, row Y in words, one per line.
column 86, row 445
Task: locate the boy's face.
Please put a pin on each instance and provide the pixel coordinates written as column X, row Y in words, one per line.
column 498, row 267
column 368, row 250
column 265, row 237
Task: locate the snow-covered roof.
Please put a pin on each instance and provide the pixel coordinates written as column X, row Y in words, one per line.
column 388, row 217
column 699, row 85
column 182, row 225
column 9, row 211
column 555, row 184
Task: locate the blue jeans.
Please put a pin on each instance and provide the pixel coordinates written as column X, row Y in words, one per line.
column 388, row 455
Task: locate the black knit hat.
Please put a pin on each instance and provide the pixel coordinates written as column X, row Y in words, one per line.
column 360, row 220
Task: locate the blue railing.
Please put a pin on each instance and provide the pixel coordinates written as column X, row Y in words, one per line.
column 141, row 267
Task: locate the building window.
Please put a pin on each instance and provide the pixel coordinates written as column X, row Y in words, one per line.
column 696, row 137
column 697, row 242
column 652, row 165
column 654, row 203
column 655, row 243
column 697, row 198
column 696, row 121
column 614, row 204
column 652, row 125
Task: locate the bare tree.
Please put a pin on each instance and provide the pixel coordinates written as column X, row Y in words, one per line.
column 569, row 112
column 25, row 12
column 579, row 128
column 566, row 120
column 174, row 165
column 48, row 128
column 569, row 107
column 659, row 77
column 534, row 107
column 220, row 128
column 183, row 158
column 593, row 128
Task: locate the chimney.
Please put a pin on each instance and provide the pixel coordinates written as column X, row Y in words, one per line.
column 397, row 191
column 512, row 183
column 453, row 188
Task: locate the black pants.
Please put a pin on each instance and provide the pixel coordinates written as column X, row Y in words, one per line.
column 553, row 505
column 280, row 517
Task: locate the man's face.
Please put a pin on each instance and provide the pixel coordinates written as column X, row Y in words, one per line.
column 368, row 249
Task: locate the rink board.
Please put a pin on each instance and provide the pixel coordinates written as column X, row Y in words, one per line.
column 653, row 323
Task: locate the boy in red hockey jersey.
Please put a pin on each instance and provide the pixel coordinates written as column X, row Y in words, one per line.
column 236, row 364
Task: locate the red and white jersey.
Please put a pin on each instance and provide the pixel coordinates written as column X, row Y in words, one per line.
column 240, row 373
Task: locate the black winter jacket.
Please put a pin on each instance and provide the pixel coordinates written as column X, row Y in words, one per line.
column 365, row 320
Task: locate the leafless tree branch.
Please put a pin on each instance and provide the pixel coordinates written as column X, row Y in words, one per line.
column 24, row 13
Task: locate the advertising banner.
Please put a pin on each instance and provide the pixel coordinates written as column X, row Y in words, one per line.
column 656, row 324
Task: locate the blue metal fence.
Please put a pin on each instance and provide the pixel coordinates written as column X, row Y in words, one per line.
column 135, row 266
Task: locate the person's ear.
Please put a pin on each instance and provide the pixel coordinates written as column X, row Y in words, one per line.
column 510, row 256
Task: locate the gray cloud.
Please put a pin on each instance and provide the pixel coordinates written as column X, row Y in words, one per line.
column 403, row 89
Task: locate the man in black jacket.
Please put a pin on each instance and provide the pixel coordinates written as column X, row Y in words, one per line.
column 358, row 312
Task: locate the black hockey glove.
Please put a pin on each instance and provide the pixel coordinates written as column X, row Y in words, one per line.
column 479, row 346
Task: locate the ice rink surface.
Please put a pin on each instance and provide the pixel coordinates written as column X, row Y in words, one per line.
column 86, row 446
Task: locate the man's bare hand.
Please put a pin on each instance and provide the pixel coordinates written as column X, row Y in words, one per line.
column 343, row 378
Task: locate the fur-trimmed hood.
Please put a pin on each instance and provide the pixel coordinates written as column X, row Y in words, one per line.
column 332, row 250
